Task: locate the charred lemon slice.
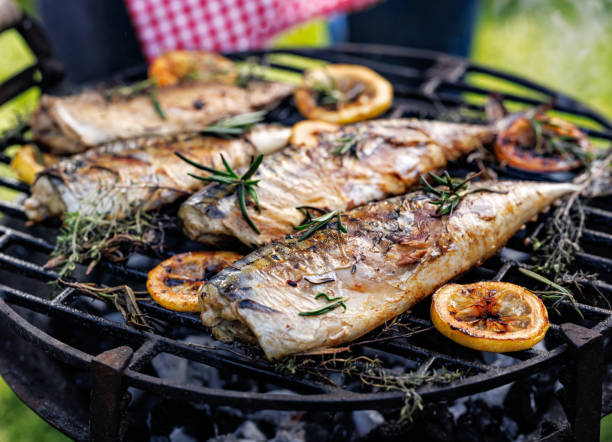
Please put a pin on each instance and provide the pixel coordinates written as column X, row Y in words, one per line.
column 174, row 283
column 28, row 161
column 489, row 316
column 543, row 144
column 343, row 93
column 175, row 66
column 305, row 133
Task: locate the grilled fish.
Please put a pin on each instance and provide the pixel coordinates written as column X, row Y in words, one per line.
column 396, row 252
column 142, row 173
column 76, row 123
column 386, row 158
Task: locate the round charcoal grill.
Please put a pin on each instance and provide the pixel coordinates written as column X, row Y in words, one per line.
column 63, row 345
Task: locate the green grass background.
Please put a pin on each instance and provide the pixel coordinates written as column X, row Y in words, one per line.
column 564, row 44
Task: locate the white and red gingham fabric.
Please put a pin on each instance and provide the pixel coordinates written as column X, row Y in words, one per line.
column 223, row 25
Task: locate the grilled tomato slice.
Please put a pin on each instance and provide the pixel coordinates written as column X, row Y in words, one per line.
column 543, row 144
column 174, row 283
column 28, row 161
column 176, row 66
column 305, row 133
column 489, row 316
column 343, row 93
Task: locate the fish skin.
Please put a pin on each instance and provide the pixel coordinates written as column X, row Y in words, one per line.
column 400, row 251
column 392, row 154
column 76, row 123
column 143, row 173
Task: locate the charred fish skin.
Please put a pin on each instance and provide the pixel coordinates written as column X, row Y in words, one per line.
column 76, row 123
column 396, row 252
column 145, row 173
column 387, row 159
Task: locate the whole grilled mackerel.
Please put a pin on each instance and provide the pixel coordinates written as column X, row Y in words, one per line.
column 75, row 123
column 386, row 158
column 141, row 174
column 396, row 253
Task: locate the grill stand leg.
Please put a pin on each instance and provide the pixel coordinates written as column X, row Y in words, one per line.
column 107, row 404
column 582, row 381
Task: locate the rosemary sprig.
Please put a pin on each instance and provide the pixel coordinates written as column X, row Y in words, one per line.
column 242, row 185
column 147, row 86
column 333, row 303
column 346, row 144
column 329, row 92
column 455, row 190
column 311, row 225
column 549, row 142
column 235, row 125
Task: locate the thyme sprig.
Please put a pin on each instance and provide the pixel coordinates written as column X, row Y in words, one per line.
column 241, row 185
column 557, row 242
column 371, row 372
column 311, row 225
column 558, row 292
column 147, row 86
column 450, row 191
column 87, row 236
column 235, row 125
column 333, row 303
column 123, row 297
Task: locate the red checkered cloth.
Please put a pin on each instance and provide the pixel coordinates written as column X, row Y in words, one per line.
column 223, row 25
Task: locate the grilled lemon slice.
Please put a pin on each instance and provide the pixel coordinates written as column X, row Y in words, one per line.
column 175, row 282
column 305, row 133
column 175, row 66
column 28, row 161
column 343, row 93
column 542, row 144
column 489, row 316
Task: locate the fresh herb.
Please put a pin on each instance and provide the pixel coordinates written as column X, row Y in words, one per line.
column 550, row 142
column 311, row 225
column 557, row 242
column 122, row 297
column 235, row 125
column 369, row 371
column 455, row 190
column 87, row 236
column 156, row 105
column 346, row 144
column 333, row 303
column 328, row 91
column 242, row 185
column 558, row 294
column 148, row 87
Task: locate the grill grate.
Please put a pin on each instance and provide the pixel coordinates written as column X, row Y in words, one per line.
column 427, row 85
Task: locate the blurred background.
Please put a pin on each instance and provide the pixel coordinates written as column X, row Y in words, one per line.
column 561, row 43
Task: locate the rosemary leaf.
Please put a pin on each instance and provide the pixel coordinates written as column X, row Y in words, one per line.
column 448, row 199
column 243, row 208
column 242, row 185
column 156, row 105
column 235, row 125
column 311, row 225
column 334, row 303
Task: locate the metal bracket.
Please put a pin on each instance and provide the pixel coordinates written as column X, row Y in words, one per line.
column 582, row 381
column 108, row 395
